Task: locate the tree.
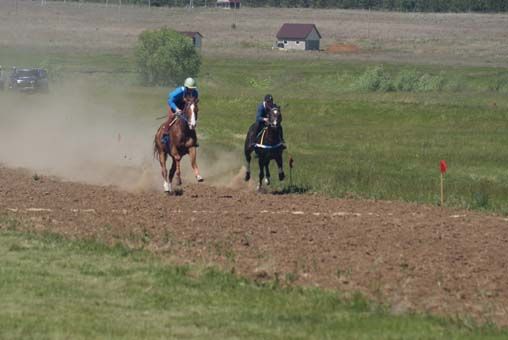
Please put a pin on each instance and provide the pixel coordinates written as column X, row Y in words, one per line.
column 165, row 57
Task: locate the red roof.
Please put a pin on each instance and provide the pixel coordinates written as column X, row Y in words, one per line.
column 296, row 31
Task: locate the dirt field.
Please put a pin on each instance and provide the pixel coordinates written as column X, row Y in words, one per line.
column 413, row 257
column 473, row 39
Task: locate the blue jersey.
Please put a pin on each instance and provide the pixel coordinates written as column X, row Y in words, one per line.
column 175, row 98
column 262, row 112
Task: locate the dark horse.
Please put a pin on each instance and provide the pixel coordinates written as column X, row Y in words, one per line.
column 268, row 146
column 183, row 140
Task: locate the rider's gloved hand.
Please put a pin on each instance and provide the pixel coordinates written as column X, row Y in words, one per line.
column 178, row 111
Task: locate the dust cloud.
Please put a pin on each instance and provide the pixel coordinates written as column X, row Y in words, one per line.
column 67, row 134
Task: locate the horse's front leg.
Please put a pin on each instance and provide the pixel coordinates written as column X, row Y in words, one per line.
column 267, row 171
column 194, row 164
column 171, row 174
column 178, row 160
column 279, row 162
column 261, row 163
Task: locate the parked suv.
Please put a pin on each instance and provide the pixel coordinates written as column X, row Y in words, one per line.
column 28, row 79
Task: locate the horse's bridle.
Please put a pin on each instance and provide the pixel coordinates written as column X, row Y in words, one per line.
column 184, row 117
column 273, row 118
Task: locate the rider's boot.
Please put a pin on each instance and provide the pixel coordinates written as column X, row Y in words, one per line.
column 165, row 136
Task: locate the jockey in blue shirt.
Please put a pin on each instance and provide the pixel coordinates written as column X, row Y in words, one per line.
column 262, row 118
column 176, row 103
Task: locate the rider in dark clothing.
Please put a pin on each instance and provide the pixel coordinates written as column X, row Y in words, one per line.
column 262, row 117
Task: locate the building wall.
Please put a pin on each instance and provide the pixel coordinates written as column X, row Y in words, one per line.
column 312, row 45
column 291, row 44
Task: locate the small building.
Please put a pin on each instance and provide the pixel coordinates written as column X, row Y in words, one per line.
column 298, row 37
column 195, row 36
column 228, row 4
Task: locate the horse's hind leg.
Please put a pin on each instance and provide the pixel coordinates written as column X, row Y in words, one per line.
column 247, row 150
column 247, row 165
column 194, row 164
column 164, row 171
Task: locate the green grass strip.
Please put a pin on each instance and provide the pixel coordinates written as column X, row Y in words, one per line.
column 52, row 288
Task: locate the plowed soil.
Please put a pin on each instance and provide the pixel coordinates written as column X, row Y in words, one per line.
column 411, row 257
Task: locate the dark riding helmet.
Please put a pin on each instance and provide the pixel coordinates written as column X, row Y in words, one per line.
column 269, row 98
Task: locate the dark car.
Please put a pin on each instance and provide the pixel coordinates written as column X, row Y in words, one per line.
column 29, row 80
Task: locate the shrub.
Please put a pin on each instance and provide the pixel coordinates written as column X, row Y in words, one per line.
column 374, row 79
column 407, row 80
column 430, row 83
column 412, row 80
column 165, row 57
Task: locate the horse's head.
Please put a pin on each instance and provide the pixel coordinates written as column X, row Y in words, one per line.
column 191, row 110
column 274, row 117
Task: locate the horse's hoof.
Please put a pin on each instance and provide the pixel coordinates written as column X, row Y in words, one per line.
column 247, row 176
column 267, row 181
column 199, row 178
column 167, row 187
column 281, row 176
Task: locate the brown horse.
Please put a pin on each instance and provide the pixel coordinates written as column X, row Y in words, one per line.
column 182, row 141
column 268, row 146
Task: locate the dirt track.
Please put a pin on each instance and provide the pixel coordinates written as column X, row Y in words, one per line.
column 413, row 257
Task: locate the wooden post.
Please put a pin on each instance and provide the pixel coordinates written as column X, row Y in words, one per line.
column 443, row 168
column 442, row 189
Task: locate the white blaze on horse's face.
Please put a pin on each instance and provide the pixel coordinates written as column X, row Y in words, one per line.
column 275, row 121
column 192, row 123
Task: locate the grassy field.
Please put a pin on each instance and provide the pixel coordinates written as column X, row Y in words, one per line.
column 347, row 139
column 384, row 145
column 55, row 288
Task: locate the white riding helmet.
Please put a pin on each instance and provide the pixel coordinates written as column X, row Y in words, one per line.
column 190, row 83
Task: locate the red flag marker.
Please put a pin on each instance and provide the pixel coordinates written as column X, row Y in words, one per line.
column 444, row 167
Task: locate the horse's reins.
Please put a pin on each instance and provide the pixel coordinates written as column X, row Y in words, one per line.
column 261, row 145
column 178, row 115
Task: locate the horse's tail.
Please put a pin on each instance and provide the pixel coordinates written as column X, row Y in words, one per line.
column 155, row 147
